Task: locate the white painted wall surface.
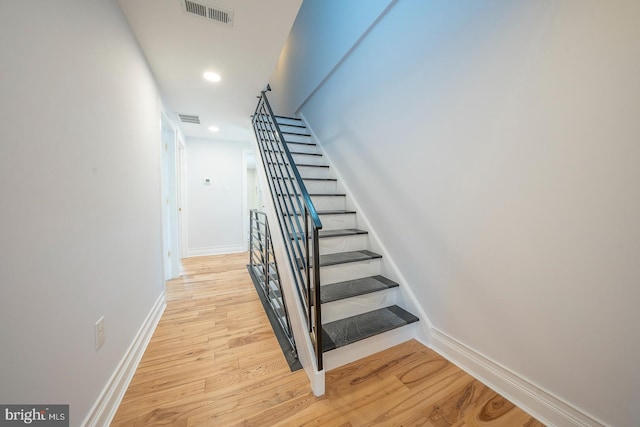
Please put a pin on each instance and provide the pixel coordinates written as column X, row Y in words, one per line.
column 322, row 35
column 80, row 228
column 494, row 147
column 215, row 211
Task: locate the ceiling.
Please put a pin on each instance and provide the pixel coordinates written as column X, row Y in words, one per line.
column 180, row 47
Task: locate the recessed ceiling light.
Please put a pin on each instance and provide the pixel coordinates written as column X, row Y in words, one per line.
column 214, row 128
column 212, row 77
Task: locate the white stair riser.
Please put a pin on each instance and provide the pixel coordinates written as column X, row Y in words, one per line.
column 326, row 187
column 313, row 186
column 352, row 352
column 335, row 222
column 312, row 160
column 353, row 306
column 332, row 245
column 283, row 121
column 349, row 271
column 292, row 126
column 329, row 202
column 311, row 172
column 294, row 137
column 299, row 148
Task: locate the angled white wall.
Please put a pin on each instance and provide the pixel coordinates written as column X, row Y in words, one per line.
column 215, row 210
column 322, row 36
column 494, row 147
column 80, row 227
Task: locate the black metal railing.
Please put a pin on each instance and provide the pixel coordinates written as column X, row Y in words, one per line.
column 298, row 219
column 265, row 270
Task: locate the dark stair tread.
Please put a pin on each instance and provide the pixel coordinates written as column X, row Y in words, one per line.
column 310, row 179
column 286, row 132
column 288, row 118
column 293, row 152
column 319, row 179
column 351, row 288
column 338, row 233
column 327, row 212
column 307, row 165
column 305, row 154
column 352, row 329
column 292, row 125
column 317, row 194
column 309, row 144
column 347, row 257
column 342, row 258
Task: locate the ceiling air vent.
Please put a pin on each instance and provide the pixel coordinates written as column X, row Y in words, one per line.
column 211, row 13
column 189, row 118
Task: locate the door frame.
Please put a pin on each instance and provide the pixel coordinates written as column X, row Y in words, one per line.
column 170, row 182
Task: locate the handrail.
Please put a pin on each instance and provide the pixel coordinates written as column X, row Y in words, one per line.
column 303, row 189
column 291, row 200
column 264, row 268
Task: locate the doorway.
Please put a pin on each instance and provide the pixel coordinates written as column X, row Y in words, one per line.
column 252, row 190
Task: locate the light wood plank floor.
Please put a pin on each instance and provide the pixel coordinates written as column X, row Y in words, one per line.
column 214, row 361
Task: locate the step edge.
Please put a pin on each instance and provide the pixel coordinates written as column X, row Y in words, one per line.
column 394, row 308
column 370, row 256
column 393, row 285
column 344, row 234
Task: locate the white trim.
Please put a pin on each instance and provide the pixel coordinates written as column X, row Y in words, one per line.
column 105, row 407
column 245, row 210
column 182, row 197
column 216, row 250
column 169, row 196
column 547, row 408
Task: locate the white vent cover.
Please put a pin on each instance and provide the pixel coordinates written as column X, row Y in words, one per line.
column 189, row 118
column 208, row 12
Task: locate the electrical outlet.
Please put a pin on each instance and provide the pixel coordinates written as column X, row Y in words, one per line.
column 99, row 333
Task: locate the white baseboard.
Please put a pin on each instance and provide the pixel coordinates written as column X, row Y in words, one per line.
column 215, row 250
column 541, row 404
column 105, row 408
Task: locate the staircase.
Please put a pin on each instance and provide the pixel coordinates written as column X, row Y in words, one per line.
column 358, row 302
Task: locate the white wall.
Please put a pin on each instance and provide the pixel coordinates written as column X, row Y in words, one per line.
column 215, row 212
column 322, row 35
column 80, row 229
column 494, row 147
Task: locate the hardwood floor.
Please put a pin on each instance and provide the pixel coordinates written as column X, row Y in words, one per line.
column 214, row 361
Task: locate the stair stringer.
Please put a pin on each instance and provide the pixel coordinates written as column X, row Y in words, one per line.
column 406, row 297
column 297, row 317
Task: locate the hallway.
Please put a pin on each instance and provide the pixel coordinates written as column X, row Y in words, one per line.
column 214, row 360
